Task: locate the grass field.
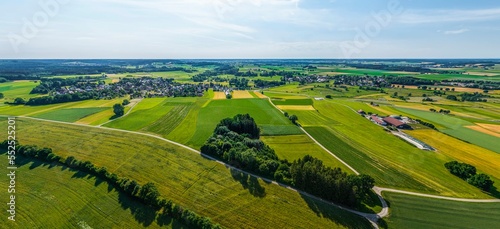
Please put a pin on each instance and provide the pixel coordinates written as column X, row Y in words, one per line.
column 295, row 147
column 390, row 160
column 55, row 197
column 457, row 128
column 14, row 89
column 70, row 115
column 204, row 186
column 266, row 116
column 419, row 212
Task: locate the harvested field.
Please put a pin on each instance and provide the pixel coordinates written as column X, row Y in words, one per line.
column 296, row 108
column 218, row 95
column 490, row 129
column 242, row 95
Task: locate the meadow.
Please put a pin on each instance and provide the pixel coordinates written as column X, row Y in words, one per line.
column 50, row 196
column 419, row 212
column 204, row 186
column 15, row 89
column 71, row 114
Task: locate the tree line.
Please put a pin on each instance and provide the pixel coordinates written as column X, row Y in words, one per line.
column 236, row 142
column 147, row 194
column 468, row 173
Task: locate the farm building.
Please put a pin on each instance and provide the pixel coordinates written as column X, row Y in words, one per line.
column 361, row 112
column 394, row 122
column 377, row 120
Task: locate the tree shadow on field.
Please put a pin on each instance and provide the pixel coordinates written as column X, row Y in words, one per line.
column 335, row 214
column 142, row 214
column 249, row 182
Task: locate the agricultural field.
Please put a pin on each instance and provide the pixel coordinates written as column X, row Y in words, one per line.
column 457, row 127
column 390, row 160
column 180, row 173
column 69, row 199
column 71, row 114
column 419, row 212
column 15, row 89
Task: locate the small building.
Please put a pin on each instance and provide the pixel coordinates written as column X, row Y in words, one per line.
column 377, row 120
column 362, row 112
column 394, row 122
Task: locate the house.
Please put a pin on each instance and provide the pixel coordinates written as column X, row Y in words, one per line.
column 377, row 120
column 394, row 122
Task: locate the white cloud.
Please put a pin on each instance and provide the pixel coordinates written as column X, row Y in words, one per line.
column 433, row 16
column 452, row 32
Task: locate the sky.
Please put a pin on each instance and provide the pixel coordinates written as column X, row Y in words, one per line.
column 195, row 29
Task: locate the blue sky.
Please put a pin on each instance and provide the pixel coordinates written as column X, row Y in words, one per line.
column 249, row 29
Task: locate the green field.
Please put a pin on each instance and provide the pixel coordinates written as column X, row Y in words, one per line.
column 204, row 186
column 70, row 115
column 390, row 160
column 297, row 146
column 14, row 89
column 271, row 120
column 456, row 128
column 419, row 212
column 49, row 196
column 296, row 102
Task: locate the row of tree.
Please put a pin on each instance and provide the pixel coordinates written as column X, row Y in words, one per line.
column 236, row 141
column 62, row 98
column 148, row 193
column 468, row 173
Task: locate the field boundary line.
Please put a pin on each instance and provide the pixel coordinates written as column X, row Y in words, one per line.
column 379, row 190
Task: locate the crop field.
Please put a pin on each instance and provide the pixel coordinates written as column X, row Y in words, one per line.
column 294, row 147
column 390, row 160
column 12, row 90
column 457, row 128
column 218, row 95
column 262, row 111
column 419, row 212
column 457, row 77
column 296, row 108
column 70, row 115
column 242, row 95
column 62, row 198
column 484, row 160
column 202, row 185
column 296, row 102
column 260, row 95
column 492, row 130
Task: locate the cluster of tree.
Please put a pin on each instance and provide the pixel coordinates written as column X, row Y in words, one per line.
column 51, row 84
column 452, row 97
column 240, row 83
column 398, row 68
column 473, row 97
column 147, row 194
column 265, row 84
column 35, row 69
column 368, row 88
column 468, row 173
column 236, row 141
column 430, row 125
column 409, row 80
column 118, row 109
column 220, row 70
column 441, row 111
column 63, row 98
column 3, row 80
column 428, row 99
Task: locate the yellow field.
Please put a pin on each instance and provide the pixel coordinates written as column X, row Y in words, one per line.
column 482, row 73
column 485, row 160
column 241, row 95
column 296, row 108
column 218, row 95
column 491, row 129
column 260, row 95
